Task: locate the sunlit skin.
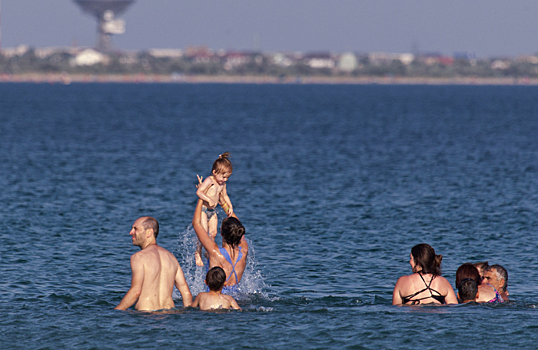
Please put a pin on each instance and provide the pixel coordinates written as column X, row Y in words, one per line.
column 490, row 276
column 214, row 254
column 212, row 191
column 155, row 271
column 215, row 300
column 410, row 284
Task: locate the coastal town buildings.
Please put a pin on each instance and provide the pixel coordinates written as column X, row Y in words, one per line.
column 192, row 61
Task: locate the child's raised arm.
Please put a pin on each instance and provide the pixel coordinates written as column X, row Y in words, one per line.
column 202, row 187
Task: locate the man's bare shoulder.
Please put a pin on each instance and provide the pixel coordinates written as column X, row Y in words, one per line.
column 152, row 252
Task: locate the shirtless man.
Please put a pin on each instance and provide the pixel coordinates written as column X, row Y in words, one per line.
column 497, row 276
column 155, row 271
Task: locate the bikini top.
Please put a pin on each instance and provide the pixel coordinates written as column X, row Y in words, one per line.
column 224, row 252
column 498, row 298
column 438, row 297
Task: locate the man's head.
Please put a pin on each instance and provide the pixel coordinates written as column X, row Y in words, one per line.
column 144, row 230
column 468, row 290
column 215, row 278
column 497, row 276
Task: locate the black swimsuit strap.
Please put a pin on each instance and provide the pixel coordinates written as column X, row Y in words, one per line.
column 408, row 298
column 423, row 280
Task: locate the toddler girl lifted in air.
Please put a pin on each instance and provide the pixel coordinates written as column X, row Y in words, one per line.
column 212, row 191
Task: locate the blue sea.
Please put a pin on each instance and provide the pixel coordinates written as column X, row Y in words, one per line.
column 334, row 184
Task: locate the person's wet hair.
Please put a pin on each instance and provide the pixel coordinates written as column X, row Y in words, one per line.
column 232, row 231
column 424, row 256
column 501, row 273
column 151, row 223
column 481, row 266
column 222, row 164
column 467, row 270
column 215, row 278
column 467, row 289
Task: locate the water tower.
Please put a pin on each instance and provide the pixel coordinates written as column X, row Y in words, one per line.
column 106, row 11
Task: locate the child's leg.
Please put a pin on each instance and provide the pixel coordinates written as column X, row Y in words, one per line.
column 212, row 224
column 198, row 252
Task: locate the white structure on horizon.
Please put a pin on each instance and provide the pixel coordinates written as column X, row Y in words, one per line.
column 89, row 57
column 347, row 62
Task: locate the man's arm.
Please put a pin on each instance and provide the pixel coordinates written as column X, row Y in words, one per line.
column 137, row 280
column 183, row 287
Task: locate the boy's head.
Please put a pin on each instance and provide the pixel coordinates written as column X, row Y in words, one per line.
column 222, row 165
column 215, row 278
column 468, row 290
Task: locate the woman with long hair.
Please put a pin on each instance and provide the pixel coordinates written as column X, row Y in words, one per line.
column 425, row 285
column 232, row 256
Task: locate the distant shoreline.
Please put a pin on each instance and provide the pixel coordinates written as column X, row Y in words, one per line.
column 63, row 78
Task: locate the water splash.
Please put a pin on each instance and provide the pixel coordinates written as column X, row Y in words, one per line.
column 252, row 284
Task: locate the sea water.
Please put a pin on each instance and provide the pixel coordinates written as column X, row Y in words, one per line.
column 333, row 183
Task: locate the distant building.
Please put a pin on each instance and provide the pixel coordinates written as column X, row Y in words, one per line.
column 44, row 52
column 320, row 60
column 431, row 59
column 500, row 64
column 15, row 51
column 89, row 57
column 378, row 58
column 281, row 60
column 166, row 53
column 236, row 59
column 347, row 62
column 532, row 59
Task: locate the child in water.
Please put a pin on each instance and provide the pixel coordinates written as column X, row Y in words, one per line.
column 211, row 191
column 214, row 299
column 468, row 290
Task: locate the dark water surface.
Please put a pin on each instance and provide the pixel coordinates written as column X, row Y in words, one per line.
column 334, row 185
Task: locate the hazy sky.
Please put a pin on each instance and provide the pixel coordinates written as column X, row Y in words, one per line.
column 484, row 27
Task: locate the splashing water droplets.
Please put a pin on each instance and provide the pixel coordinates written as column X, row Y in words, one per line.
column 251, row 285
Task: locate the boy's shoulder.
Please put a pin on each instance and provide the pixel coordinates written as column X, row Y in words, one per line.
column 228, row 297
column 202, row 294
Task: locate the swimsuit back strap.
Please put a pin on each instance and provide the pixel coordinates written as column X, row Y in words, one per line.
column 224, row 252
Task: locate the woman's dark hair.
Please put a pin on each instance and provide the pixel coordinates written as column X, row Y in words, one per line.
column 467, row 270
column 232, row 231
column 424, row 256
